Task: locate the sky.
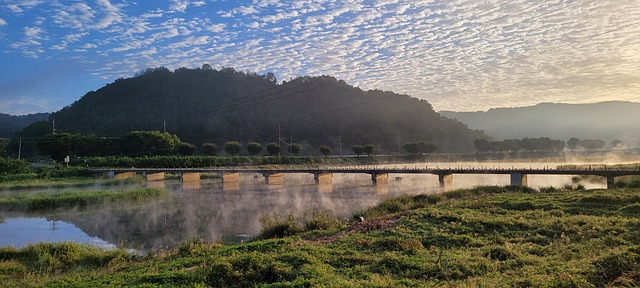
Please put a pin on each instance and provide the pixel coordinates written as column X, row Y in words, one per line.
column 460, row 55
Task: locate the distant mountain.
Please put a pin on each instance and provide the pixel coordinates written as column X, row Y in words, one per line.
column 207, row 105
column 615, row 120
column 10, row 124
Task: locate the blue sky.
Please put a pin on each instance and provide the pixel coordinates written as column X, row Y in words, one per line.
column 459, row 55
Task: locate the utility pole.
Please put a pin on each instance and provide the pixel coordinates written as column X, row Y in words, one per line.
column 53, row 126
column 164, row 126
column 398, row 142
column 19, row 148
column 278, row 135
column 340, row 141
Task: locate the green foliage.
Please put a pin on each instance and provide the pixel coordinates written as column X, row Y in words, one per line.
column 13, row 166
column 320, row 220
column 278, row 226
column 185, row 149
column 232, row 147
column 273, row 149
column 148, row 143
column 254, row 148
column 74, row 198
column 482, row 145
column 59, row 145
column 295, row 148
column 209, row 149
column 486, row 237
column 325, row 150
column 358, row 149
column 369, row 149
column 184, row 99
column 420, row 147
column 3, row 150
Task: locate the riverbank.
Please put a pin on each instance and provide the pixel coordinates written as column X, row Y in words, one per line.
column 70, row 199
column 487, row 236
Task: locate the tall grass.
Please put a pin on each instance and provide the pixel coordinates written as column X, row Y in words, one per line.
column 74, row 198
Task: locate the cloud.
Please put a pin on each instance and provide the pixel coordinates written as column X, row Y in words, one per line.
column 2, row 22
column 23, row 5
column 216, row 28
column 459, row 55
column 112, row 14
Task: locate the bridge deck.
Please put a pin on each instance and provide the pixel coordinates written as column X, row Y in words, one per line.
column 607, row 172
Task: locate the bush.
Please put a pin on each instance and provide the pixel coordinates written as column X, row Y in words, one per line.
column 321, row 220
column 278, row 226
column 13, row 166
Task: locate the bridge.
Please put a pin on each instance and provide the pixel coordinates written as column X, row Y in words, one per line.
column 379, row 175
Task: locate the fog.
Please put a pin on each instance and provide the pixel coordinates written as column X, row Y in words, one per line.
column 230, row 213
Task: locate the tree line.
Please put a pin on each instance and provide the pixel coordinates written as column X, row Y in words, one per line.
column 155, row 143
column 541, row 144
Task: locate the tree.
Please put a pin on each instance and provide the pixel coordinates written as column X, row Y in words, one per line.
column 295, row 148
column 482, row 145
column 325, row 150
column 185, row 149
column 369, row 149
column 426, row 147
column 209, row 149
column 358, row 149
column 254, row 148
column 617, row 144
column 273, row 149
column 3, row 151
column 573, row 143
column 513, row 145
column 58, row 146
column 206, row 67
column 412, row 147
column 149, row 143
column 232, row 147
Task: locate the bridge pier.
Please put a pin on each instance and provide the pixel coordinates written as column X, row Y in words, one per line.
column 445, row 181
column 154, row 176
column 230, row 177
column 611, row 182
column 518, row 179
column 379, row 178
column 273, row 178
column 323, row 178
column 190, row 176
column 121, row 175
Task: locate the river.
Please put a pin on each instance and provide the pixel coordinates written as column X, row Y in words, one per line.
column 212, row 212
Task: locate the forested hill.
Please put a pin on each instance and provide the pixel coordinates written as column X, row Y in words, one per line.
column 207, row 105
column 615, row 120
column 10, row 124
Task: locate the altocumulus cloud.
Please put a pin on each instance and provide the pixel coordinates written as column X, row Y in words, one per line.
column 459, row 55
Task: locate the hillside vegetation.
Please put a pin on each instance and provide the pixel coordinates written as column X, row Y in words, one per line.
column 207, row 105
column 483, row 237
column 10, row 124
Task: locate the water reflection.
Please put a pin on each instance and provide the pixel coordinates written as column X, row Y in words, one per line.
column 212, row 211
column 19, row 232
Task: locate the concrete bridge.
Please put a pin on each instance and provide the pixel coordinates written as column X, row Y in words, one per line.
column 379, row 175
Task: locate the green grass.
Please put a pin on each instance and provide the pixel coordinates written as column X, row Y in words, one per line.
column 74, row 198
column 483, row 237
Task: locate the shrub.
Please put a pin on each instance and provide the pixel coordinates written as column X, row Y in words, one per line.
column 13, row 166
column 278, row 226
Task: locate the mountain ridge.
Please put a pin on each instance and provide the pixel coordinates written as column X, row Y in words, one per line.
column 207, row 105
column 608, row 120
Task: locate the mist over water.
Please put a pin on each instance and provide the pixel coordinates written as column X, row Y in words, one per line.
column 231, row 213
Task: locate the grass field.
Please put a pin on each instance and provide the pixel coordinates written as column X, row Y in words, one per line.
column 482, row 237
column 42, row 201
